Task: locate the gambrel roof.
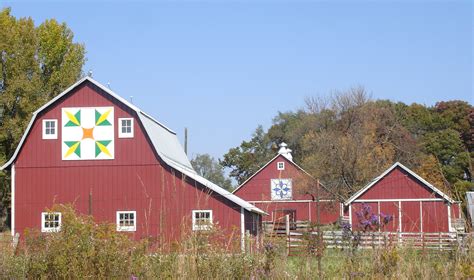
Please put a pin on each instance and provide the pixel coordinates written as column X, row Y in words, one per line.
column 163, row 139
column 397, row 164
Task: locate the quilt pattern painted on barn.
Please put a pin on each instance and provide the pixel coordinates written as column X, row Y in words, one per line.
column 281, row 189
column 87, row 133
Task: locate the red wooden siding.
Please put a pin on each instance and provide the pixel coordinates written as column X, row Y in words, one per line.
column 435, row 216
column 37, row 152
column 257, row 190
column 135, row 180
column 404, row 197
column 258, row 187
column 411, row 219
column 305, row 211
column 398, row 184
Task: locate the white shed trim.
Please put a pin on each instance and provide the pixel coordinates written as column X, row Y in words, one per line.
column 242, row 229
column 397, row 164
column 13, row 202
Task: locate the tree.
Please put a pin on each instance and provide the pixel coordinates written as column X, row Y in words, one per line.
column 346, row 139
column 447, row 146
column 353, row 139
column 36, row 64
column 209, row 168
column 247, row 159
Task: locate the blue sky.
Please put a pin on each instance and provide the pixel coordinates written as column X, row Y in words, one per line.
column 221, row 68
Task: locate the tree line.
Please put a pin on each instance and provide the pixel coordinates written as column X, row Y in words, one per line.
column 347, row 138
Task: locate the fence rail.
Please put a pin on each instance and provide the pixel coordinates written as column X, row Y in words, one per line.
column 337, row 239
column 300, row 237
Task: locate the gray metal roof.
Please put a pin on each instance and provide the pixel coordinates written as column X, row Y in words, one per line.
column 164, row 140
column 470, row 206
column 166, row 143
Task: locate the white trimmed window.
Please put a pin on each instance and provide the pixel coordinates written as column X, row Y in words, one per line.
column 125, row 128
column 202, row 219
column 281, row 165
column 50, row 129
column 50, row 221
column 126, row 220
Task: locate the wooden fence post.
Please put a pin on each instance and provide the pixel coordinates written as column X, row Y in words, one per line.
column 287, row 228
column 439, row 240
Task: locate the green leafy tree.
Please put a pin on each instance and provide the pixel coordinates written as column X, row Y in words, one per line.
column 36, row 64
column 209, row 168
column 455, row 115
column 447, row 146
column 246, row 159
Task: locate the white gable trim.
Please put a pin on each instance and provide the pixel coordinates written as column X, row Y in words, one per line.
column 12, row 214
column 397, row 164
column 258, row 171
column 291, row 162
column 69, row 89
column 263, row 167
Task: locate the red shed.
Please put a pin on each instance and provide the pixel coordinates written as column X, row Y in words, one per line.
column 90, row 147
column 414, row 204
column 280, row 188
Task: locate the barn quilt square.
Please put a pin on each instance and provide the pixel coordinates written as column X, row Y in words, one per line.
column 87, row 133
column 281, row 189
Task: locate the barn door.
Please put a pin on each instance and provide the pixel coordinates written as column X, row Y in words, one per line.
column 279, row 219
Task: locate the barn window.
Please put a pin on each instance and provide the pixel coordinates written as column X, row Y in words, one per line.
column 125, row 128
column 50, row 129
column 202, row 219
column 126, row 220
column 281, row 165
column 50, row 221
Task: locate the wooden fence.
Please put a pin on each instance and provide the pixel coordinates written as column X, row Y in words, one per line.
column 301, row 237
column 298, row 242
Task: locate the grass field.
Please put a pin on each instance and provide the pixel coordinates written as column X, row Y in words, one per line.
column 112, row 259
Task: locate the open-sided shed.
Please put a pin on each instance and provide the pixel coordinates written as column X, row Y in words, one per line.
column 414, row 204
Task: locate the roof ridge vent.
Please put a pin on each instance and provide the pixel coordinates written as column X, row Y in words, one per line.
column 284, row 151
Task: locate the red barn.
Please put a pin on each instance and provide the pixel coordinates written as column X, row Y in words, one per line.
column 414, row 204
column 281, row 188
column 90, row 147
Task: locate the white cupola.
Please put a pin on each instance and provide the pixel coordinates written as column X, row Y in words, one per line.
column 284, row 151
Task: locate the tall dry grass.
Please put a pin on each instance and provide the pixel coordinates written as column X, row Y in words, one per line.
column 83, row 249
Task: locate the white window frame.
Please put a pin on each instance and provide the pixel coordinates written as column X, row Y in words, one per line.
column 126, row 228
column 50, row 229
column 202, row 227
column 124, row 134
column 281, row 165
column 50, row 136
